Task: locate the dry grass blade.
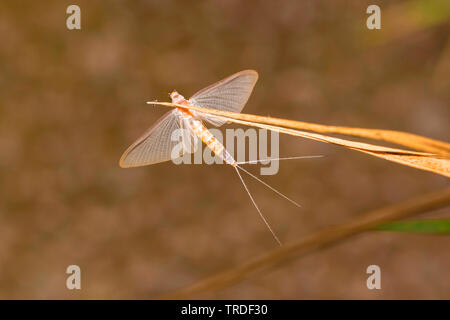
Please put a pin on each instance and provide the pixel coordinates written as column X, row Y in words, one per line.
column 419, row 160
column 437, row 163
column 316, row 241
column 401, row 138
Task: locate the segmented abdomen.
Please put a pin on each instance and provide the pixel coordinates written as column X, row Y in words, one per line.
column 208, row 138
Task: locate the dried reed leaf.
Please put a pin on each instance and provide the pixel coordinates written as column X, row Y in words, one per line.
column 401, row 138
column 437, row 163
column 311, row 243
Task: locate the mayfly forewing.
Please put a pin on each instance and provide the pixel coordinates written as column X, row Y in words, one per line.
column 155, row 145
column 230, row 94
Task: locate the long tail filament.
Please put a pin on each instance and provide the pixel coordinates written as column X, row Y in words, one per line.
column 277, row 159
column 256, row 206
column 270, row 187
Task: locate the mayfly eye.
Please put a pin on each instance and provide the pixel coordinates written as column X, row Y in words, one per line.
column 174, row 95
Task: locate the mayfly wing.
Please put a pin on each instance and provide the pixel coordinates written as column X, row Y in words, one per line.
column 230, row 94
column 155, row 145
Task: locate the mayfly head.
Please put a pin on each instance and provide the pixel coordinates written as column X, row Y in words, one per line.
column 176, row 97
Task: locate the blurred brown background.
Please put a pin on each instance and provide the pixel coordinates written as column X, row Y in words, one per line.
column 73, row 101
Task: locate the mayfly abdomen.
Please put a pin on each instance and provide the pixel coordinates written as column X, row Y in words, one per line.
column 228, row 158
column 208, row 138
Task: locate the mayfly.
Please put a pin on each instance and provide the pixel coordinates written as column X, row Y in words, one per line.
column 230, row 94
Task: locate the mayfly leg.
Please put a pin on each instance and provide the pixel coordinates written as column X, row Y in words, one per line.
column 188, row 138
column 257, row 208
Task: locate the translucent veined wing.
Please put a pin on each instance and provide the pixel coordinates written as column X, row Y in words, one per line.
column 155, row 145
column 230, row 94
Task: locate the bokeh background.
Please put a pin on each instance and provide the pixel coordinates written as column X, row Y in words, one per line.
column 72, row 101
